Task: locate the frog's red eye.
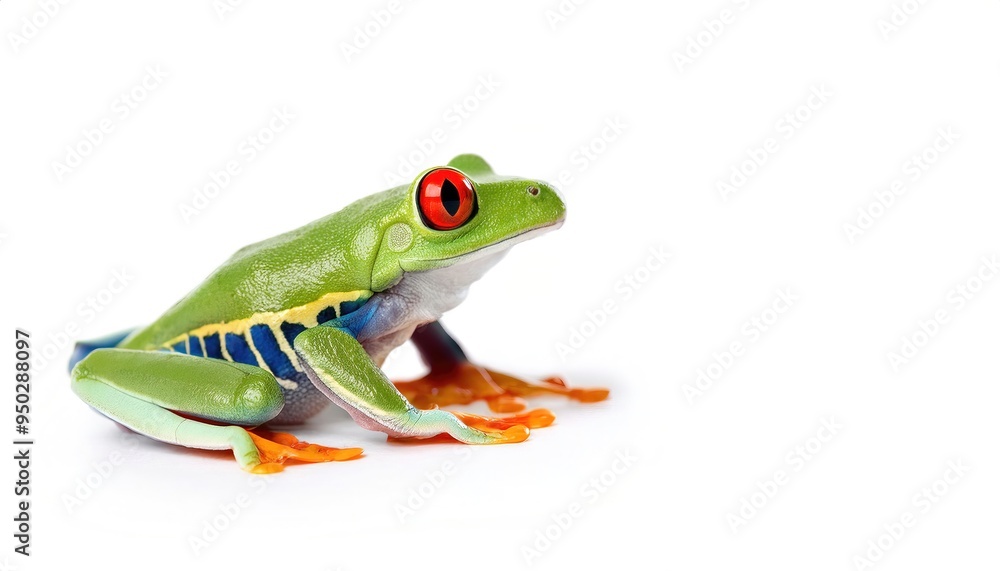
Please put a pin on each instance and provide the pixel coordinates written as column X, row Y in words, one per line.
column 445, row 199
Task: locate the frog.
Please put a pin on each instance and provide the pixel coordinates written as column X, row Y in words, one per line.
column 290, row 324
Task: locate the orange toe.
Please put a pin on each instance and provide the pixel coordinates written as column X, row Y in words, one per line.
column 275, row 448
column 538, row 418
column 466, row 383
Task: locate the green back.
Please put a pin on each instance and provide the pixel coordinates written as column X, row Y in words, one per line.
column 333, row 254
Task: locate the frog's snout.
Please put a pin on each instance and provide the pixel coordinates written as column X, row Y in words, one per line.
column 546, row 201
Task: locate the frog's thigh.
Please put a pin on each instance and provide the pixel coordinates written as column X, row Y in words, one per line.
column 142, row 389
column 339, row 366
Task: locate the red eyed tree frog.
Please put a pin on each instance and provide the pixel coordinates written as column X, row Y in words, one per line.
column 291, row 323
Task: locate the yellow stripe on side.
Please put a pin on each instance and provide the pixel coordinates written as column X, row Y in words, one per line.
column 222, row 347
column 286, row 348
column 260, row 360
column 304, row 314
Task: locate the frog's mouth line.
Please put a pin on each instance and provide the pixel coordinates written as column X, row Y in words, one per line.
column 506, row 243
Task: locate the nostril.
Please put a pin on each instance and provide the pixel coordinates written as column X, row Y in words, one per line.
column 533, row 190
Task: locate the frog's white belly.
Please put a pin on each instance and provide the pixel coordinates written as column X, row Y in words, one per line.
column 419, row 298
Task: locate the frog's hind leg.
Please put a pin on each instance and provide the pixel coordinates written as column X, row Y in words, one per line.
column 194, row 402
column 454, row 380
column 84, row 348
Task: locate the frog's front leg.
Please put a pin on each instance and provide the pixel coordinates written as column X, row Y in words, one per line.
column 454, row 380
column 195, row 402
column 338, row 365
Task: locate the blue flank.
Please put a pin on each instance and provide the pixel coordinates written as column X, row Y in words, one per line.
column 350, row 319
column 239, row 350
column 291, row 331
column 213, row 348
column 194, row 346
column 267, row 345
column 328, row 314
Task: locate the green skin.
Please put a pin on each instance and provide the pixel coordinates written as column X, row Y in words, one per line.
column 367, row 247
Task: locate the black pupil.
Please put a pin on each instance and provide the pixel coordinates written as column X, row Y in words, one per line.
column 449, row 197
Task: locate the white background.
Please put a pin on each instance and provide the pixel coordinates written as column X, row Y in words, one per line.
column 653, row 185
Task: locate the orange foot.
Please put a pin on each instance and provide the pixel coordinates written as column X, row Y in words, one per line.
column 275, row 448
column 509, row 429
column 538, row 418
column 465, row 383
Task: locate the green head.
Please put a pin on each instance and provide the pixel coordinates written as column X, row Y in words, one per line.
column 458, row 213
